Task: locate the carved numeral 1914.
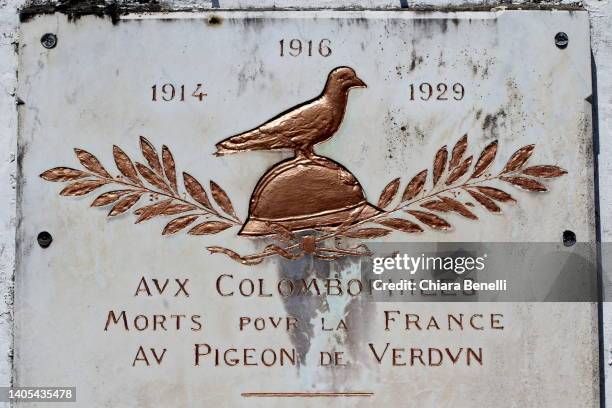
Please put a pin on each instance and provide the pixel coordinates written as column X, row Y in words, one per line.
column 296, row 47
column 170, row 92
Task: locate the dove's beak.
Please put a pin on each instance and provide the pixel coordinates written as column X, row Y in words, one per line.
column 359, row 83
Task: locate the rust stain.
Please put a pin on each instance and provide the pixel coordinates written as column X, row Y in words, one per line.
column 75, row 9
column 214, row 20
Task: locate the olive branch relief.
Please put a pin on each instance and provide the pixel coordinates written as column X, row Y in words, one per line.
column 451, row 189
column 157, row 180
column 449, row 183
column 449, row 179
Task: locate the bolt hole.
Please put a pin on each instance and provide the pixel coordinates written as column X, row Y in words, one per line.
column 44, row 239
column 569, row 238
column 561, row 40
column 49, row 40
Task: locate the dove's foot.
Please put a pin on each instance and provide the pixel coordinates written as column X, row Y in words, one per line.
column 306, row 153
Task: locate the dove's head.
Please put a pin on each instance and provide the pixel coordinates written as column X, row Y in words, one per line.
column 344, row 78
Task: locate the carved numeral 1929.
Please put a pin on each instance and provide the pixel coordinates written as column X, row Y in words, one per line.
column 440, row 92
column 296, row 47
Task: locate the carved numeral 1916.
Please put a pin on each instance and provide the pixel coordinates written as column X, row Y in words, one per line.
column 441, row 92
column 296, row 47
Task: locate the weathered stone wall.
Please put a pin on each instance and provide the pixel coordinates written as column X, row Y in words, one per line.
column 600, row 13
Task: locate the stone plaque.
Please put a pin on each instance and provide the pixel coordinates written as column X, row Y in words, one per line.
column 197, row 193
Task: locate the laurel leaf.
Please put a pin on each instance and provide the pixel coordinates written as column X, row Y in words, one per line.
column 486, row 158
column 125, row 204
column 429, row 219
column 496, row 194
column 169, row 167
column 152, row 210
column 458, row 150
column 195, row 190
column 90, row 162
column 450, row 205
column 178, row 224
column 109, row 197
column 367, row 233
column 458, row 207
column 174, row 209
column 152, row 178
column 125, row 165
column 149, row 153
column 436, row 205
column 485, row 201
column 209, row 227
column 388, row 193
column 415, row 186
column 525, row 183
column 544, row 171
column 459, row 171
column 221, row 198
column 400, row 224
column 82, row 187
column 63, row 174
column 439, row 164
column 519, row 158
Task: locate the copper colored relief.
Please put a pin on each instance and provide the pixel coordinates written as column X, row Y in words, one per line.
column 307, row 204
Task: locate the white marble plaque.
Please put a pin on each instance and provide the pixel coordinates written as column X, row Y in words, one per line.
column 209, row 182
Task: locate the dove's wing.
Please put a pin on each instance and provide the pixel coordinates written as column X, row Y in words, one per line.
column 306, row 123
column 287, row 130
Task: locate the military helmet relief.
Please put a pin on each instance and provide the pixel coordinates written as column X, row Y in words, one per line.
column 322, row 200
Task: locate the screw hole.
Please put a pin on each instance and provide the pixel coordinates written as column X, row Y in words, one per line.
column 569, row 238
column 561, row 40
column 49, row 40
column 44, row 239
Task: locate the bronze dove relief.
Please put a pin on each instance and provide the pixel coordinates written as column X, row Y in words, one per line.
column 307, row 204
column 302, row 126
column 307, row 191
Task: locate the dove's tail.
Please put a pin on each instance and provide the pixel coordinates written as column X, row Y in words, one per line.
column 223, row 150
column 251, row 140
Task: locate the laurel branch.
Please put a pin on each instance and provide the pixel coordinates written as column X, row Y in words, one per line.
column 158, row 180
column 454, row 184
